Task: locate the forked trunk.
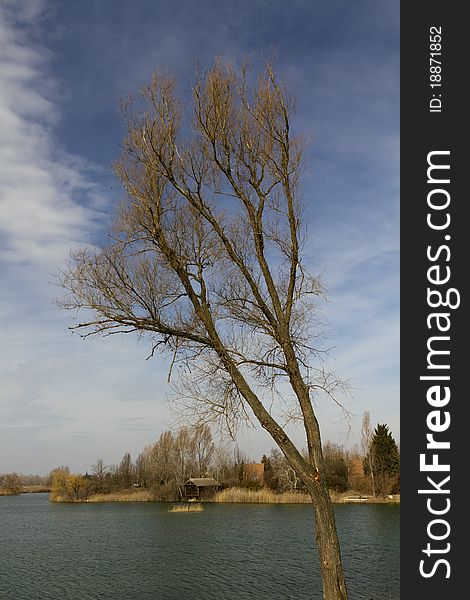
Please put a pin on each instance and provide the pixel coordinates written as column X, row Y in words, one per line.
column 334, row 587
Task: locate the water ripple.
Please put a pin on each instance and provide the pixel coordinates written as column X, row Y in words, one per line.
column 227, row 552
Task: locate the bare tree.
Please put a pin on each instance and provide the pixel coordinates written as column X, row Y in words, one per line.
column 367, row 449
column 224, row 465
column 163, row 459
column 11, row 483
column 144, row 467
column 205, row 257
column 98, row 471
column 185, row 456
column 203, row 448
column 336, row 466
column 125, row 471
column 286, row 477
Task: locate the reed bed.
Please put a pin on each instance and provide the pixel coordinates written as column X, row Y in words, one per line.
column 4, row 492
column 25, row 489
column 35, row 489
column 137, row 496
column 244, row 496
column 186, row 507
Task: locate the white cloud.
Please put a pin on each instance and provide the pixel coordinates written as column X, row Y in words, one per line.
column 42, row 192
column 58, row 396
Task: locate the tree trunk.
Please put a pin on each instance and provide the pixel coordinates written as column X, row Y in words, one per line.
column 334, row 587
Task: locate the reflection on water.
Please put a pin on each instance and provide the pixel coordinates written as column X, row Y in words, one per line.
column 227, row 552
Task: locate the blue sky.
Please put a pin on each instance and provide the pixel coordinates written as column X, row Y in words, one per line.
column 63, row 67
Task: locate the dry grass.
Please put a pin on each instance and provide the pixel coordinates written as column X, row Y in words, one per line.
column 267, row 496
column 25, row 489
column 234, row 495
column 261, row 497
column 353, row 497
column 35, row 489
column 137, row 496
column 134, row 496
column 58, row 498
column 4, row 492
column 186, row 507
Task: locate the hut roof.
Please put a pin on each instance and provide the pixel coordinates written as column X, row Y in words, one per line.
column 202, row 481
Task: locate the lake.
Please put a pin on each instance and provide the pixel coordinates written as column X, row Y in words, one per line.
column 140, row 551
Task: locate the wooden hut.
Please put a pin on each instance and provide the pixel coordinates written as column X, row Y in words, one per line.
column 197, row 488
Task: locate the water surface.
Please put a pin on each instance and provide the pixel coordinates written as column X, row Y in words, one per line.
column 140, row 551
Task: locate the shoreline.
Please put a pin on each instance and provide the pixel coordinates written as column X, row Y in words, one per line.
column 26, row 489
column 237, row 496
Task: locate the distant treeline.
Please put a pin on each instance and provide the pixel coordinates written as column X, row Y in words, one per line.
column 164, row 467
column 12, row 484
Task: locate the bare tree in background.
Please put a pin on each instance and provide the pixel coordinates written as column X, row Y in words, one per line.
column 125, row 471
column 203, row 449
column 367, row 450
column 99, row 473
column 205, row 257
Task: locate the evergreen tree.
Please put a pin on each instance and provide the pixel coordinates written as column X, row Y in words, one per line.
column 385, row 459
column 270, row 478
